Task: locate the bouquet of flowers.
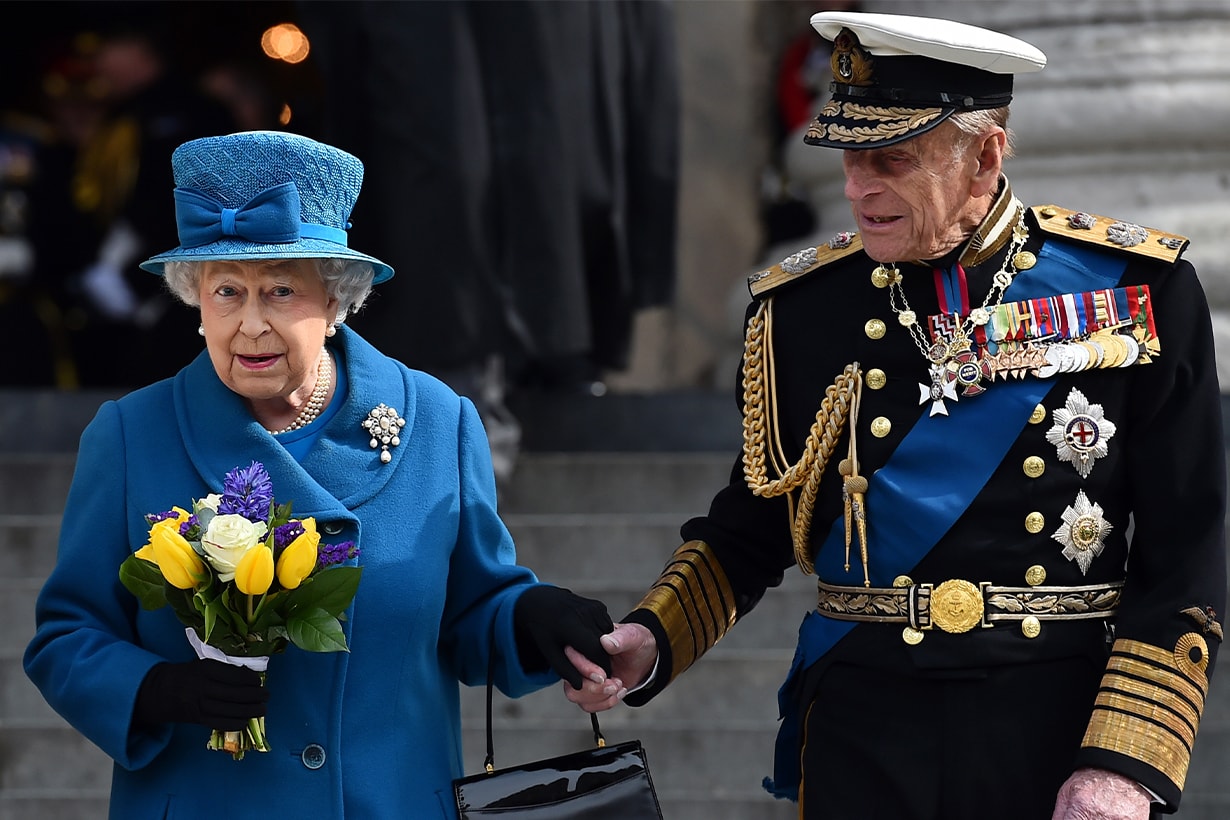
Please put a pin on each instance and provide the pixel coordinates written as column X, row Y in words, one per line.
column 246, row 580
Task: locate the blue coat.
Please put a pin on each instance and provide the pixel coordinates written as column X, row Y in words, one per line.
column 439, row 574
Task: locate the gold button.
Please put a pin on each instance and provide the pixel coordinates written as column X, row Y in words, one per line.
column 903, row 581
column 881, row 276
column 1048, row 212
column 1034, row 522
column 874, row 329
column 875, row 378
column 881, row 427
column 911, row 636
column 1024, row 260
column 1038, row 415
column 1034, row 466
column 1035, row 575
column 1031, row 627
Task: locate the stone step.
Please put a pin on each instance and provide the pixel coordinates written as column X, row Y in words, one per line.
column 595, row 483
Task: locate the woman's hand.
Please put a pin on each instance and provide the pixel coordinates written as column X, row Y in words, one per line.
column 633, row 653
column 549, row 620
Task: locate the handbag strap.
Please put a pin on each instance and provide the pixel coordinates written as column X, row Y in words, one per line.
column 489, row 760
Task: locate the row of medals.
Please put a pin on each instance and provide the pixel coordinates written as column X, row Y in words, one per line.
column 957, row 363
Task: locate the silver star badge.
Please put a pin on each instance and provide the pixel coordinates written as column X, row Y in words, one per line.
column 1080, row 432
column 1082, row 532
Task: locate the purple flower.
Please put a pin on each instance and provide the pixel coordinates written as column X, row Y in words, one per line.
column 283, row 535
column 247, row 492
column 330, row 554
column 154, row 518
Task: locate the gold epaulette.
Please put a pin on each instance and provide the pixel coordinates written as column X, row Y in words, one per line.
column 1111, row 233
column 803, row 262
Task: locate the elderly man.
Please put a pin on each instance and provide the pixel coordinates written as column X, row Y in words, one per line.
column 993, row 433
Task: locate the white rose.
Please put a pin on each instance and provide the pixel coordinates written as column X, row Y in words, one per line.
column 226, row 541
column 209, row 502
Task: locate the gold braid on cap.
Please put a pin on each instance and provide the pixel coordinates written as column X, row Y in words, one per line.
column 1149, row 705
column 693, row 601
column 759, row 425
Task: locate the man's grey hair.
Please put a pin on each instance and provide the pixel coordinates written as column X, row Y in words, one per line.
column 976, row 123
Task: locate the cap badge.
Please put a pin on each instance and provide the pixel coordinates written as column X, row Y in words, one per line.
column 851, row 63
column 1083, row 531
column 1080, row 432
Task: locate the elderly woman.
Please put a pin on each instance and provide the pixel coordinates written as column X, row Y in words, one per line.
column 370, row 733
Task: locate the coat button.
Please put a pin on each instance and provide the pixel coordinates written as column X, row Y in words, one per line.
column 875, row 329
column 313, row 756
column 332, row 528
column 1034, row 467
column 876, row 379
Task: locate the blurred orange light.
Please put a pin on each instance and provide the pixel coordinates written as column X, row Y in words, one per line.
column 285, row 42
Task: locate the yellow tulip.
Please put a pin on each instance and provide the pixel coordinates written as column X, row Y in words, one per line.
column 299, row 558
column 146, row 553
column 179, row 563
column 254, row 572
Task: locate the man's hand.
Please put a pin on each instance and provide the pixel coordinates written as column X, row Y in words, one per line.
column 633, row 652
column 1096, row 794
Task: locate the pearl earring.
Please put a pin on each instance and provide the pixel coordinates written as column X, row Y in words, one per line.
column 200, row 330
column 330, row 330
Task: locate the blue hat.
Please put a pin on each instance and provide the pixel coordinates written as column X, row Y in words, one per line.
column 264, row 195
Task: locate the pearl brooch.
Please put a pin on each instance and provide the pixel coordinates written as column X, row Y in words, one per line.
column 384, row 425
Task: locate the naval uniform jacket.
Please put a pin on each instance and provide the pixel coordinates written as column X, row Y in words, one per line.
column 981, row 494
column 370, row 733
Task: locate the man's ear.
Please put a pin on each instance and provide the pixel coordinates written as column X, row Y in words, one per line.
column 990, row 163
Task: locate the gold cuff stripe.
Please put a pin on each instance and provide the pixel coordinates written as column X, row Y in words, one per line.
column 1146, row 709
column 694, row 602
column 1174, row 685
column 1156, row 696
column 1139, row 739
column 1126, row 649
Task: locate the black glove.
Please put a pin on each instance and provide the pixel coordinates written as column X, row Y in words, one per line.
column 549, row 618
column 209, row 692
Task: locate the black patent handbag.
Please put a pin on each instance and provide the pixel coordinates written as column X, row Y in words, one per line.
column 601, row 783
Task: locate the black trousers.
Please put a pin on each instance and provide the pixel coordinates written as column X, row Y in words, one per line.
column 994, row 743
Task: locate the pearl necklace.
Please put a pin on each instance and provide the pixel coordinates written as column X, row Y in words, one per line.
column 316, row 402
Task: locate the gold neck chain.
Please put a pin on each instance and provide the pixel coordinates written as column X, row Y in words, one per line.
column 316, row 402
column 940, row 351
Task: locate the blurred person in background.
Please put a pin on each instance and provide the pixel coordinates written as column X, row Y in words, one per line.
column 524, row 175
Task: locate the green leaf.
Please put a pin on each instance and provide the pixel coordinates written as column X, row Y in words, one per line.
column 316, row 631
column 144, row 580
column 331, row 590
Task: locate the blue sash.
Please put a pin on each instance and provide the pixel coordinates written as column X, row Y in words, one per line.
column 924, row 509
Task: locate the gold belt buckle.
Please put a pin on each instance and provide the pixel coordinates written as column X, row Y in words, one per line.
column 956, row 606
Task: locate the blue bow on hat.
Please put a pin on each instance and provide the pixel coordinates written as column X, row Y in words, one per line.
column 296, row 193
column 270, row 217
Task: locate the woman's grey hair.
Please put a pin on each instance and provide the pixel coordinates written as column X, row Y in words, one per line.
column 347, row 280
